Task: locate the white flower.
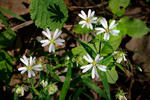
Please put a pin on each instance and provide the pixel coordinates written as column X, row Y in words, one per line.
column 44, row 83
column 87, row 19
column 119, row 56
column 20, row 90
column 94, row 64
column 107, row 30
column 29, row 66
column 52, row 40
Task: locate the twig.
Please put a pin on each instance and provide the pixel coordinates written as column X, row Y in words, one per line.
column 131, row 83
column 15, row 28
column 87, row 7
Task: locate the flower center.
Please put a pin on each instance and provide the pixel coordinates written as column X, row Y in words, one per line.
column 88, row 20
column 52, row 41
column 29, row 68
column 94, row 63
column 107, row 30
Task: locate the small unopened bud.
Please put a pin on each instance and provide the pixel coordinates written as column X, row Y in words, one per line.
column 52, row 88
column 20, row 90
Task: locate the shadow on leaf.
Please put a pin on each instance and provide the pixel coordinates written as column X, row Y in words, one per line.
column 57, row 13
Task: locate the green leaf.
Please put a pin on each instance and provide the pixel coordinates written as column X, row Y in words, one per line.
column 133, row 27
column 5, row 66
column 118, row 6
column 66, row 84
column 55, row 76
column 4, row 21
column 114, row 41
column 88, row 49
column 106, row 49
column 94, row 87
column 15, row 96
column 6, row 38
column 80, row 30
column 105, row 83
column 119, row 66
column 78, row 50
column 48, row 13
column 77, row 93
column 112, row 75
column 12, row 14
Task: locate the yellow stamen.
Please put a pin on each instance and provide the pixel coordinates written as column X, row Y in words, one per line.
column 88, row 20
column 52, row 41
column 29, row 68
column 94, row 63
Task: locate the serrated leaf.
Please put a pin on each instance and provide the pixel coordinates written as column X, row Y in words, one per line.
column 66, row 84
column 118, row 6
column 133, row 27
column 80, row 30
column 112, row 75
column 48, row 13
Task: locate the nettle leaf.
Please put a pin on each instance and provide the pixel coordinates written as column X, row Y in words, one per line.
column 118, row 6
column 48, row 13
column 133, row 27
column 80, row 30
column 5, row 66
column 112, row 75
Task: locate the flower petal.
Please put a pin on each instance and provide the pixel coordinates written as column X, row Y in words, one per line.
column 104, row 23
column 45, row 33
column 48, row 33
column 88, row 58
column 83, row 14
column 89, row 13
column 83, row 17
column 46, row 42
column 93, row 72
column 32, row 73
column 100, row 30
column 29, row 74
column 59, row 40
column 91, row 27
column 115, row 32
column 86, row 68
column 112, row 24
column 83, row 25
column 82, row 22
column 50, row 47
column 22, row 68
column 102, row 67
column 97, row 58
column 24, row 61
column 106, row 36
column 58, row 34
column 92, row 14
column 55, row 34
